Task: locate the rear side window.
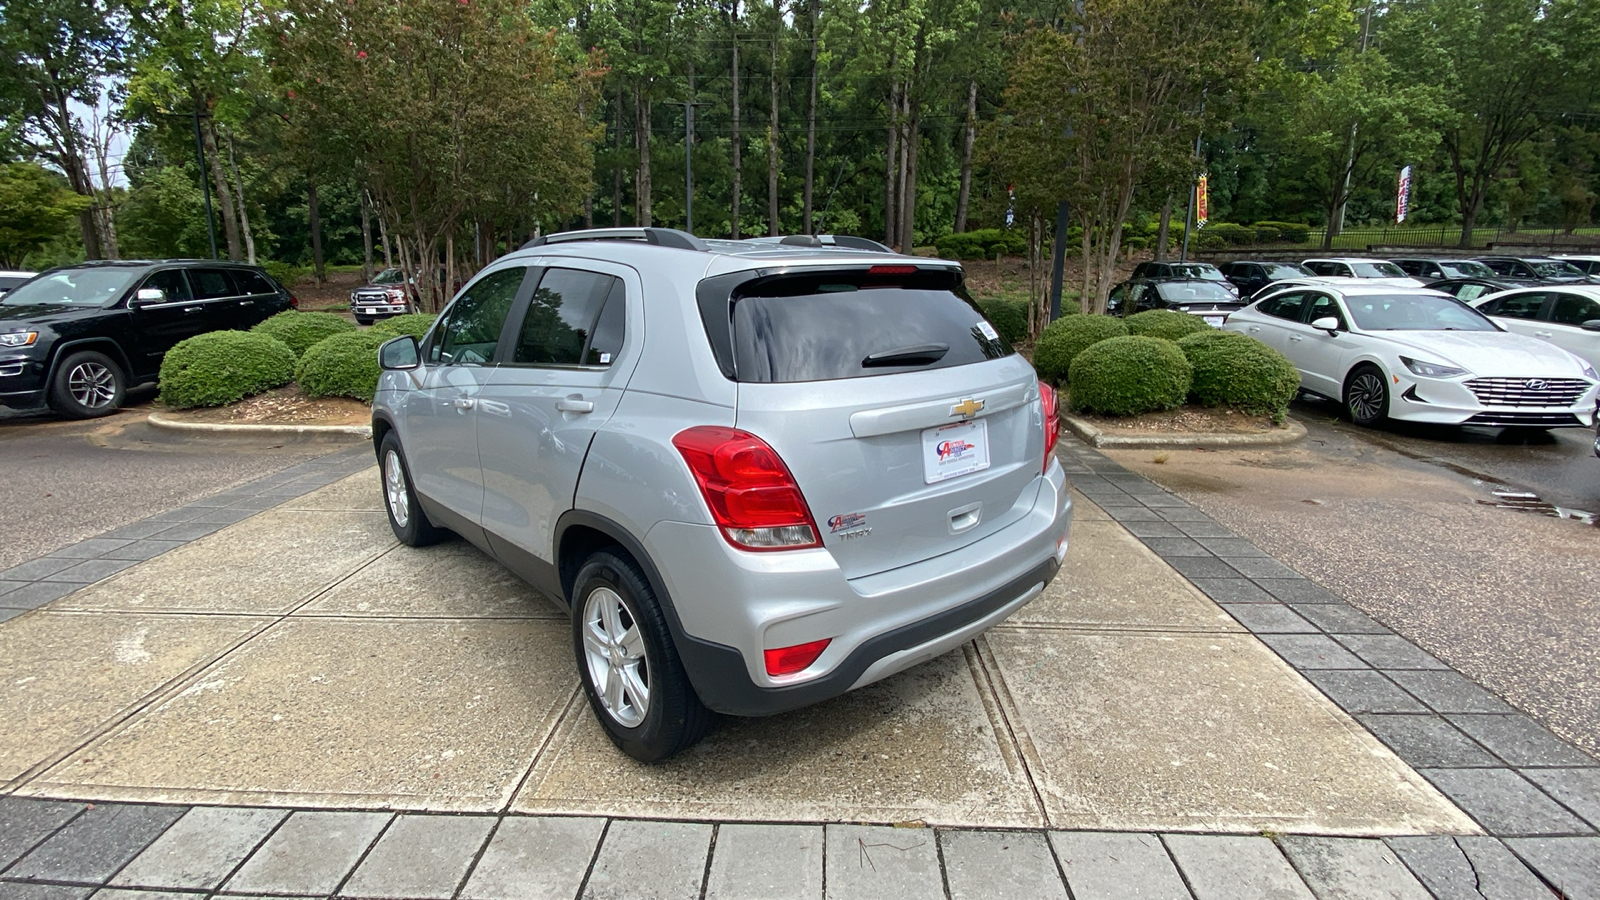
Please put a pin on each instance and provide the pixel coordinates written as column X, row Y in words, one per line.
column 828, row 326
column 1572, row 309
column 1284, row 306
column 562, row 317
column 1517, row 306
column 211, row 283
column 253, row 282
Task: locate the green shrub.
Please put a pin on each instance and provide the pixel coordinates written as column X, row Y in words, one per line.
column 341, row 365
column 1125, row 376
column 221, row 367
column 1206, row 239
column 284, row 273
column 1231, row 234
column 1165, row 323
column 983, row 243
column 1240, row 372
column 414, row 324
column 1067, row 337
column 302, row 329
column 1268, row 234
column 1009, row 317
column 1292, row 232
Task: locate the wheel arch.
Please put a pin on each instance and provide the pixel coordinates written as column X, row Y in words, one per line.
column 99, row 344
column 1357, row 365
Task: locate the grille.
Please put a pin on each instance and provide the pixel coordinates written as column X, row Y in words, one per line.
column 1553, row 420
column 373, row 297
column 1528, row 391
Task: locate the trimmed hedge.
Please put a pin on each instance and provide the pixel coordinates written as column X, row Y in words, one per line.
column 1237, row 371
column 341, row 365
column 1125, row 376
column 1009, row 317
column 300, row 330
column 414, row 324
column 1289, row 232
column 221, row 367
column 983, row 243
column 1165, row 323
column 1067, row 337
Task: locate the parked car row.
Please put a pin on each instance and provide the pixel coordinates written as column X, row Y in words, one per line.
column 77, row 337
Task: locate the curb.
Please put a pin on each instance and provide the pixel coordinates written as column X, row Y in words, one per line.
column 157, row 420
column 1094, row 437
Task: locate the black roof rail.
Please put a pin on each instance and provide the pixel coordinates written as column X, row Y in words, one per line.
column 860, row 243
column 661, row 237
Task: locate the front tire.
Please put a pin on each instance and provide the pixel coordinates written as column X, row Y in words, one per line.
column 629, row 666
column 1366, row 396
column 87, row 385
column 406, row 516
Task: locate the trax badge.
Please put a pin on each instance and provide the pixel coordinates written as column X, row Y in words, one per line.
column 967, row 408
column 848, row 520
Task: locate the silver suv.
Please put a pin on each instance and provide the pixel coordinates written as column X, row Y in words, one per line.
column 758, row 475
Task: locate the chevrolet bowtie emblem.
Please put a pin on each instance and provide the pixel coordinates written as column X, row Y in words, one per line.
column 967, row 408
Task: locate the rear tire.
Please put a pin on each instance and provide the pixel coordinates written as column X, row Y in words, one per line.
column 628, row 664
column 1366, row 396
column 364, row 320
column 87, row 385
column 406, row 516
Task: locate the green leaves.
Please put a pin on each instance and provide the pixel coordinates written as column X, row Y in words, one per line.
column 35, row 208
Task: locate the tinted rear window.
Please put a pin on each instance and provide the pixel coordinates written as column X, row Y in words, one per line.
column 820, row 328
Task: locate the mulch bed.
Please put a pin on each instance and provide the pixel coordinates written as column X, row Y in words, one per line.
column 1183, row 420
column 284, row 406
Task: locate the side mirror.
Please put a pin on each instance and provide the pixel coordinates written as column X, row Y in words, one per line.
column 1328, row 324
column 400, row 353
column 1591, row 325
column 148, row 297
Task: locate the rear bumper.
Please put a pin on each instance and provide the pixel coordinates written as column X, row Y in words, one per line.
column 731, row 605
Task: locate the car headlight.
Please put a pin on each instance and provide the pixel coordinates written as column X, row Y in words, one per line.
column 18, row 338
column 1432, row 370
column 396, row 294
column 1588, row 370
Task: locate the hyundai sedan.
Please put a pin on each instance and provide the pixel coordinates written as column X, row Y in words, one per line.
column 1421, row 356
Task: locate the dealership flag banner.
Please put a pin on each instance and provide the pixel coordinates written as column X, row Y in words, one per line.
column 1402, row 199
column 1201, row 203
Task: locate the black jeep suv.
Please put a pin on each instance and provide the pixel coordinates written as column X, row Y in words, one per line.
column 78, row 337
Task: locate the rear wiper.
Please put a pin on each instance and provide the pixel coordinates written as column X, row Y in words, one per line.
column 920, row 355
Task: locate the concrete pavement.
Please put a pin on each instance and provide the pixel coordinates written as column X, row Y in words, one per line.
column 298, row 659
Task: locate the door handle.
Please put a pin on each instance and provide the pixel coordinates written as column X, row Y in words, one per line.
column 463, row 404
column 194, row 309
column 1296, row 337
column 247, row 303
column 1542, row 334
column 575, row 404
column 1253, row 329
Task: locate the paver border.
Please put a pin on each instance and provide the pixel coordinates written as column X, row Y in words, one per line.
column 157, row 420
column 1096, row 437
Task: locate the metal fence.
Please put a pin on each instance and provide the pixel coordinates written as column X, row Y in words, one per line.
column 1557, row 238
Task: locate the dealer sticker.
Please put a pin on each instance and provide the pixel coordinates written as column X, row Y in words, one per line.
column 950, row 451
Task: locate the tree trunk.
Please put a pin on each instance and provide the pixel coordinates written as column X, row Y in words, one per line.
column 616, row 170
column 908, row 185
column 449, row 265
column 318, row 270
column 244, row 214
column 366, row 239
column 105, row 215
column 902, row 184
column 1164, row 230
column 811, row 125
column 383, row 234
column 641, row 140
column 772, row 143
column 219, row 180
column 965, row 194
column 891, row 169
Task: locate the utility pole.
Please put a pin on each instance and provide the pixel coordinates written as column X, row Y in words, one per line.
column 1188, row 214
column 200, row 157
column 688, row 157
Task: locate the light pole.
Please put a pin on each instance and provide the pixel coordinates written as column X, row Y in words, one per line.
column 205, row 186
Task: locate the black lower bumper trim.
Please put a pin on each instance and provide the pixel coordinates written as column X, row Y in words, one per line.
column 723, row 682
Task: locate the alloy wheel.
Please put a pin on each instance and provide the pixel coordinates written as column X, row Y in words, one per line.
column 92, row 385
column 614, row 651
column 394, row 489
column 1366, row 397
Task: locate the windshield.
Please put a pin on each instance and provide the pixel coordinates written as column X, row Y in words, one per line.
column 1280, row 271
column 74, row 287
column 389, row 276
column 1465, row 268
column 1198, row 270
column 1415, row 312
column 1377, row 270
column 1192, row 291
column 1556, row 269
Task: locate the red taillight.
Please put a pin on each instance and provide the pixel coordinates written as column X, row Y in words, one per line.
column 752, row 496
column 892, row 270
column 789, row 660
column 1052, row 421
column 294, row 302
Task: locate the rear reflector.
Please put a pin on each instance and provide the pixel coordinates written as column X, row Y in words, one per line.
column 892, row 270
column 789, row 660
column 752, row 495
column 1052, row 421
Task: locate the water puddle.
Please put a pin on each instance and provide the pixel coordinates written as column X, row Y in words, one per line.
column 1526, row 501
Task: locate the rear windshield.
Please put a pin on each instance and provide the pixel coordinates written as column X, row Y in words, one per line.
column 1198, row 270
column 1465, row 268
column 1377, row 270
column 1194, row 291
column 1280, row 271
column 846, row 325
column 1554, row 269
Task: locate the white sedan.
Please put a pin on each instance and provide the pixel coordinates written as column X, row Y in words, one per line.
column 1565, row 315
column 1419, row 355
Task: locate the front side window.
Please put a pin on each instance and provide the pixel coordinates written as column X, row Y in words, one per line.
column 1574, row 309
column 210, row 284
column 1323, row 306
column 171, row 283
column 562, row 317
column 1285, row 306
column 471, row 330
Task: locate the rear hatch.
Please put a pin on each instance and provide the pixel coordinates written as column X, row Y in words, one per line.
column 910, row 426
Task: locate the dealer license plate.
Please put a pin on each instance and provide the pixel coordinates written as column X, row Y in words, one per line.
column 1215, row 321
column 950, row 451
